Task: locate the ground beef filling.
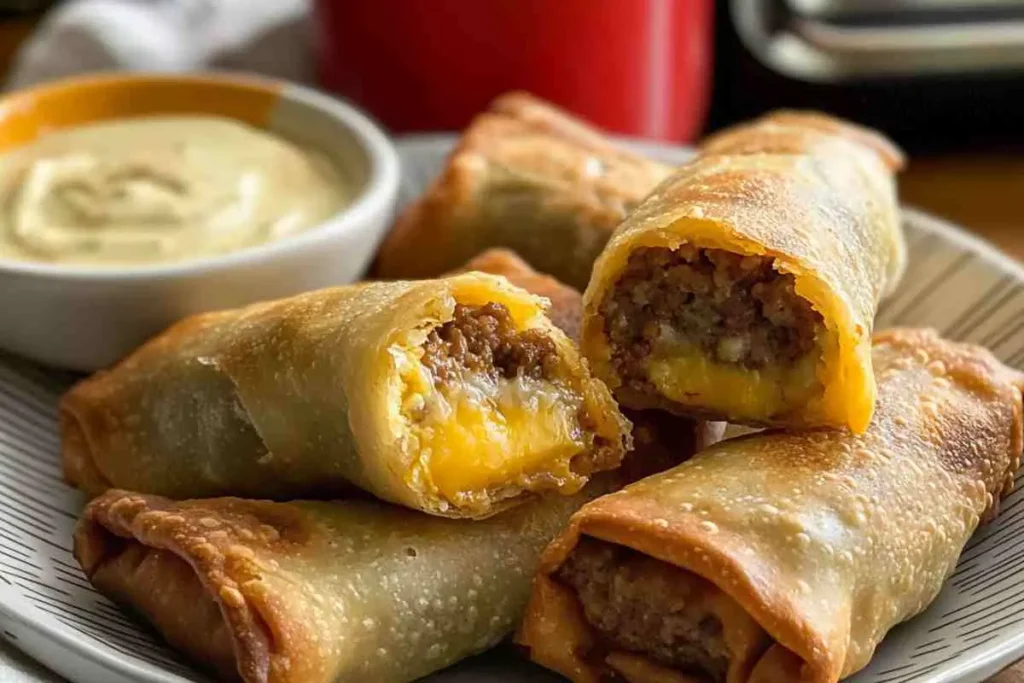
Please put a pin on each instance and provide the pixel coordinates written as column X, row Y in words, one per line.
column 643, row 605
column 484, row 339
column 737, row 309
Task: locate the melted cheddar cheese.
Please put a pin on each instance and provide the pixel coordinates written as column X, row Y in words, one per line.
column 691, row 378
column 479, row 432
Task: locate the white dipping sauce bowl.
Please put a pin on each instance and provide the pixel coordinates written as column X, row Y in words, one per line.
column 86, row 317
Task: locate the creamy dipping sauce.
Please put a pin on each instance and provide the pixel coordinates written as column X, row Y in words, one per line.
column 151, row 190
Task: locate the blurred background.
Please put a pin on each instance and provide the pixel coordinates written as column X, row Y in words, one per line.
column 943, row 77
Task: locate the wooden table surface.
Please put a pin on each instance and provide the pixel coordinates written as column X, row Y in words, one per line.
column 1015, row 674
column 981, row 192
column 984, row 193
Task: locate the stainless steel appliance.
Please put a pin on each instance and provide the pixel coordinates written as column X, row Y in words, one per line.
column 931, row 72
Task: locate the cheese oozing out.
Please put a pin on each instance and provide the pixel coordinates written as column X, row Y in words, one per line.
column 689, row 377
column 479, row 431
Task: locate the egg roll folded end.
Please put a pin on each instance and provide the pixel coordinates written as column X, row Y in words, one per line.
column 542, row 115
column 192, row 573
column 527, row 176
column 786, row 556
column 745, row 286
column 319, row 592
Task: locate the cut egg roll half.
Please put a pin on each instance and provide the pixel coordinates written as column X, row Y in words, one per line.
column 745, row 286
column 454, row 396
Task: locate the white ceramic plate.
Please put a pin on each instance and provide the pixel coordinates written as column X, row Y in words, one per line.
column 955, row 283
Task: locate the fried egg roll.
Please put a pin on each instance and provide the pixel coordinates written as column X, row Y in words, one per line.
column 745, row 286
column 456, row 396
column 660, row 439
column 785, row 557
column 527, row 176
column 315, row 592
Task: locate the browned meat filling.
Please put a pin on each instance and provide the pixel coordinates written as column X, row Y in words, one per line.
column 484, row 339
column 643, row 605
column 737, row 309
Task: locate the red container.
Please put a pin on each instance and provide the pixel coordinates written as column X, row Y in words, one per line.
column 638, row 67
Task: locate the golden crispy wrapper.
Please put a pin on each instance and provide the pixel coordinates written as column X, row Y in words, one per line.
column 805, row 547
column 527, row 176
column 306, row 396
column 316, row 592
column 346, row 590
column 817, row 196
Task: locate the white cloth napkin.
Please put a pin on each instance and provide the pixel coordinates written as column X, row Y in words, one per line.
column 271, row 37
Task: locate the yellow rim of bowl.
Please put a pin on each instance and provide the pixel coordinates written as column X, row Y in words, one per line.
column 25, row 114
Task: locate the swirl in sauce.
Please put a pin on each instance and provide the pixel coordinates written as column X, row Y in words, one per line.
column 152, row 190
